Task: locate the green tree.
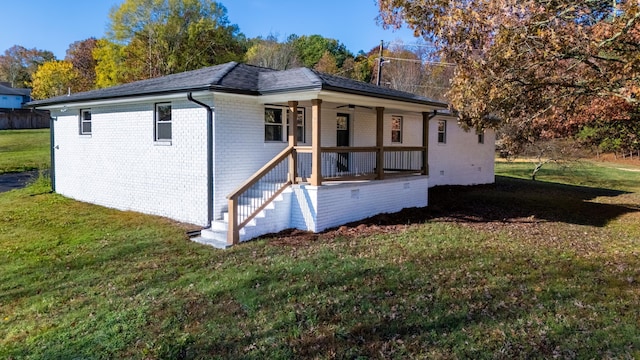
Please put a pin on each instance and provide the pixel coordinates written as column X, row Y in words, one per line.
column 151, row 38
column 110, row 64
column 310, row 49
column 54, row 78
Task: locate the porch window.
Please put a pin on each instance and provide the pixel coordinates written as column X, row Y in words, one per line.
column 85, row 122
column 396, row 129
column 300, row 125
column 162, row 121
column 275, row 129
column 442, row 132
column 480, row 137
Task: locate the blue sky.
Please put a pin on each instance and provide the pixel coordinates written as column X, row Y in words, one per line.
column 53, row 25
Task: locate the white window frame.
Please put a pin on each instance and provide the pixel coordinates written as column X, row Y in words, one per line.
column 157, row 121
column 480, row 137
column 84, row 121
column 284, row 124
column 397, row 119
column 442, row 131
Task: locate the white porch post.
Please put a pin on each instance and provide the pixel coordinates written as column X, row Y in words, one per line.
column 293, row 140
column 316, row 158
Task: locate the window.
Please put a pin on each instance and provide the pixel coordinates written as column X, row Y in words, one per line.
column 396, row 129
column 162, row 120
column 442, row 132
column 480, row 137
column 300, row 126
column 85, row 122
column 274, row 124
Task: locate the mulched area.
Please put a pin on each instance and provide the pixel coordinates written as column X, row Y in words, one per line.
column 446, row 204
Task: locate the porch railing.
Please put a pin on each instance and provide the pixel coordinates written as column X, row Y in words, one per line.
column 337, row 164
column 401, row 160
column 257, row 192
column 360, row 163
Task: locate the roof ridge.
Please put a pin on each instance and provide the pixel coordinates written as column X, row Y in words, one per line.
column 228, row 67
column 312, row 75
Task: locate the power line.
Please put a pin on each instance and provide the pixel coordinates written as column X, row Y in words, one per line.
column 414, row 45
column 420, row 61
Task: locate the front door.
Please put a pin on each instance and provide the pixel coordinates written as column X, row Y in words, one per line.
column 342, row 139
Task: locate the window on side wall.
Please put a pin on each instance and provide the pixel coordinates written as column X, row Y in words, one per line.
column 480, row 137
column 162, row 121
column 396, row 129
column 272, row 124
column 276, row 123
column 442, row 132
column 85, row 122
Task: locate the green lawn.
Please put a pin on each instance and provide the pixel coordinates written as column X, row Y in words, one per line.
column 519, row 269
column 584, row 173
column 23, row 150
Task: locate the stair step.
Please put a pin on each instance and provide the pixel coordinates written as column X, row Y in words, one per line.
column 215, row 238
column 216, row 235
column 219, row 225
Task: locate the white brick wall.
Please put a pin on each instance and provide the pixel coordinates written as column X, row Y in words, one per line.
column 319, row 208
column 240, row 149
column 120, row 166
column 462, row 160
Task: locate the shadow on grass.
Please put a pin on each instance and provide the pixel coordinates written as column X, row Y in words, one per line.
column 514, row 200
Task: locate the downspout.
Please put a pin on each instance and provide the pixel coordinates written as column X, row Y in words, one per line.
column 52, row 148
column 209, row 157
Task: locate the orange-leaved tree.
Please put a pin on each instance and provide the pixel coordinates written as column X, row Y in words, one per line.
column 545, row 66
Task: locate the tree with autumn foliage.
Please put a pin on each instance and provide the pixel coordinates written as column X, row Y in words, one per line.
column 80, row 55
column 545, row 66
column 18, row 64
column 54, row 78
column 268, row 52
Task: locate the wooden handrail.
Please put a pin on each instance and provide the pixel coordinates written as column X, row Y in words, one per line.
column 362, row 148
column 403, row 148
column 233, row 232
column 260, row 173
column 349, row 149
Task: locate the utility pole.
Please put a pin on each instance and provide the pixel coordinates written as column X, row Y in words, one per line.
column 380, row 63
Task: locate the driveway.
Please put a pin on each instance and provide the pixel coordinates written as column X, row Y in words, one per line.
column 12, row 181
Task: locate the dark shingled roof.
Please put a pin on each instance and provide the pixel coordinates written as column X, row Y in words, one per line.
column 7, row 90
column 243, row 79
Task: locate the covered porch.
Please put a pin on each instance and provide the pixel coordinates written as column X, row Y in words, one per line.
column 325, row 175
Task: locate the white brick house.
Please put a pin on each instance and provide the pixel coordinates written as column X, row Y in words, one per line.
column 215, row 147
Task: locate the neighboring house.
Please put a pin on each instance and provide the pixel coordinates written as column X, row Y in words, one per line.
column 13, row 115
column 215, row 147
column 11, row 98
